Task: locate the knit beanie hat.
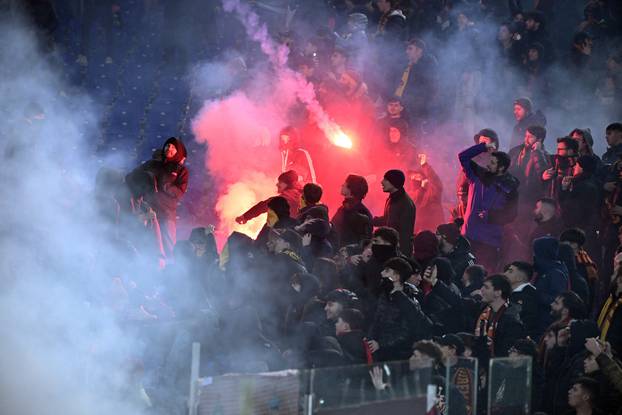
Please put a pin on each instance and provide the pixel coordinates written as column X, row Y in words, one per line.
column 395, row 177
column 450, row 231
column 289, row 177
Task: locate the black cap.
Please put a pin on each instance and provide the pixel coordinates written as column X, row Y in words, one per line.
column 452, row 340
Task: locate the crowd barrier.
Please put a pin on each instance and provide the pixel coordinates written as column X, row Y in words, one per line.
column 409, row 388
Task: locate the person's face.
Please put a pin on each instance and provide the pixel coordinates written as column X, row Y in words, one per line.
column 337, row 59
column 486, row 140
column 345, row 190
column 377, row 240
column 332, row 310
column 448, row 352
column 504, row 33
column 530, row 139
column 443, row 245
column 557, row 307
column 488, row 293
column 466, row 280
column 519, row 112
column 533, row 55
column 563, row 150
column 550, row 339
column 514, row 274
column 341, row 326
column 413, row 53
column 285, row 139
column 170, row 151
column 394, row 108
column 415, row 279
column 419, row 360
column 383, row 5
column 280, row 187
column 576, row 396
column 586, row 46
column 493, row 165
column 578, row 137
column 367, row 253
column 391, row 275
column 387, row 186
column 530, row 24
column 199, row 247
column 613, row 137
column 468, row 352
column 577, row 169
column 590, row 365
column 394, row 135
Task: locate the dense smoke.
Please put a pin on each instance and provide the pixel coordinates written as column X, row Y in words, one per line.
column 62, row 351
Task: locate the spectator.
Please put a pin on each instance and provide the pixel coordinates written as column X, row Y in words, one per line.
column 586, row 267
column 426, row 189
column 524, row 118
column 610, row 315
column 492, row 203
column 294, row 156
column 399, row 210
column 170, row 182
column 551, row 276
column 524, row 296
column 562, row 166
column 456, row 248
column 499, row 325
column 352, row 221
column 548, row 222
column 288, row 188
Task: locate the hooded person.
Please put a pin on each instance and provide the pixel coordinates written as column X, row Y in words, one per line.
column 426, row 247
column 170, row 180
column 288, row 187
column 578, row 284
column 316, row 242
column 525, row 117
column 551, row 278
column 399, row 210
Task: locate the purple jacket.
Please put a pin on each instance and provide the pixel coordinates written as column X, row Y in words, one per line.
column 491, row 203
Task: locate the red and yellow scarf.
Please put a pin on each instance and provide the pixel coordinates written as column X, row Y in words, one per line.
column 606, row 315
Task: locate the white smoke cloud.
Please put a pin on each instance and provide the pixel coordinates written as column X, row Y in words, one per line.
column 62, row 351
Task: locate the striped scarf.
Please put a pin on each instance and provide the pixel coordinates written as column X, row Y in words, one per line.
column 583, row 258
column 606, row 315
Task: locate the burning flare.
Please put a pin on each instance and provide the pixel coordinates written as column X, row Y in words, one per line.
column 337, row 137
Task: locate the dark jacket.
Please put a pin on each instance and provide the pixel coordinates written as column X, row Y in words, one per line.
column 170, row 178
column 526, row 301
column 551, row 277
column 518, row 133
column 527, row 166
column 461, row 258
column 442, row 305
column 552, row 227
column 390, row 328
column 509, row 329
column 492, row 200
column 568, row 366
column 580, row 204
column 352, row 222
column 578, row 284
column 399, row 214
column 612, row 154
column 353, row 347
